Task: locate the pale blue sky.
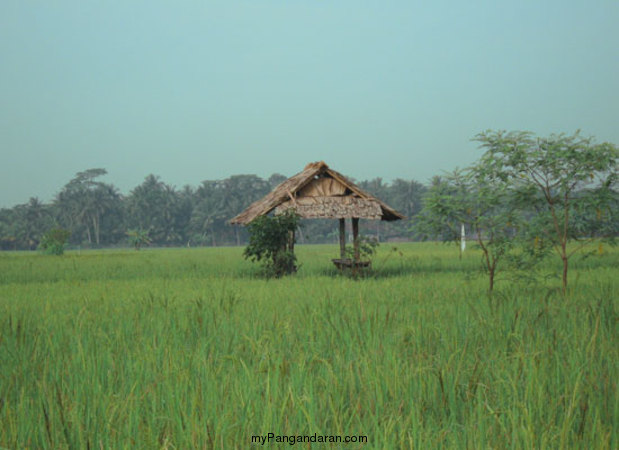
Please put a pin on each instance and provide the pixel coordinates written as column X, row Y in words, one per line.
column 195, row 90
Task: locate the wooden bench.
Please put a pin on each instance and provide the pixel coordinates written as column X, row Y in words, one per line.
column 349, row 263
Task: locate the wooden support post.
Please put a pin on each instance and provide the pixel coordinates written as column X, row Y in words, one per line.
column 355, row 237
column 342, row 238
column 291, row 241
column 290, row 247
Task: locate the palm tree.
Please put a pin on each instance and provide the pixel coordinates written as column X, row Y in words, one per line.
column 157, row 207
column 84, row 202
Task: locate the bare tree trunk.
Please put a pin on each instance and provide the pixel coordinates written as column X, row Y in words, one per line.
column 564, row 256
column 565, row 260
column 95, row 228
column 491, row 273
column 490, row 266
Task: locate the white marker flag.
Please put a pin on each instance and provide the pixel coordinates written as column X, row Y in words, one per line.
column 462, row 239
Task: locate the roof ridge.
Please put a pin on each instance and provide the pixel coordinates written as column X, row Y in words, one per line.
column 295, row 183
column 316, row 165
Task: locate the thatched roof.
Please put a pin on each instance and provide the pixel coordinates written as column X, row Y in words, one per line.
column 319, row 193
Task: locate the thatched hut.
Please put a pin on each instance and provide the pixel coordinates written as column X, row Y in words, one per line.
column 319, row 192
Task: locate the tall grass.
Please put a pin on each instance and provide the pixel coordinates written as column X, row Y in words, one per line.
column 192, row 349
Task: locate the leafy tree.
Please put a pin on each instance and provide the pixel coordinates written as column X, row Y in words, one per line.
column 481, row 203
column 564, row 178
column 138, row 238
column 85, row 206
column 22, row 226
column 375, row 186
column 205, row 213
column 8, row 239
column 380, row 190
column 276, row 179
column 271, row 240
column 31, row 221
column 239, row 191
column 184, row 210
column 155, row 206
column 218, row 201
column 443, row 209
column 406, row 196
column 53, row 242
column 96, row 214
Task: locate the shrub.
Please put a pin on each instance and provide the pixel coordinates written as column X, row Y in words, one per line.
column 53, row 242
column 271, row 240
column 367, row 248
column 138, row 238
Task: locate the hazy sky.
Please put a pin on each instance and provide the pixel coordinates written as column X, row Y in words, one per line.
column 195, row 90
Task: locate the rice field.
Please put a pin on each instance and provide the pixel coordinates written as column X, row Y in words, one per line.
column 192, row 348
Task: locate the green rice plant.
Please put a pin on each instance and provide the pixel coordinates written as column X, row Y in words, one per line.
column 193, row 348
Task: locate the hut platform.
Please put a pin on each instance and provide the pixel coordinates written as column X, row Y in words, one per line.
column 349, row 263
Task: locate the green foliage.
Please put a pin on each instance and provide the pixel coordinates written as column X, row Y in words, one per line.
column 444, row 209
column 155, row 206
column 271, row 240
column 405, row 196
column 90, row 209
column 54, row 241
column 368, row 246
column 98, row 215
column 138, row 238
column 480, row 202
column 23, row 225
column 564, row 183
column 537, row 194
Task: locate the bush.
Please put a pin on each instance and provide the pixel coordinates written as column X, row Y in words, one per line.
column 271, row 240
column 367, row 248
column 138, row 238
column 53, row 242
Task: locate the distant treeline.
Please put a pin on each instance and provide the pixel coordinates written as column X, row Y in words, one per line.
column 98, row 215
